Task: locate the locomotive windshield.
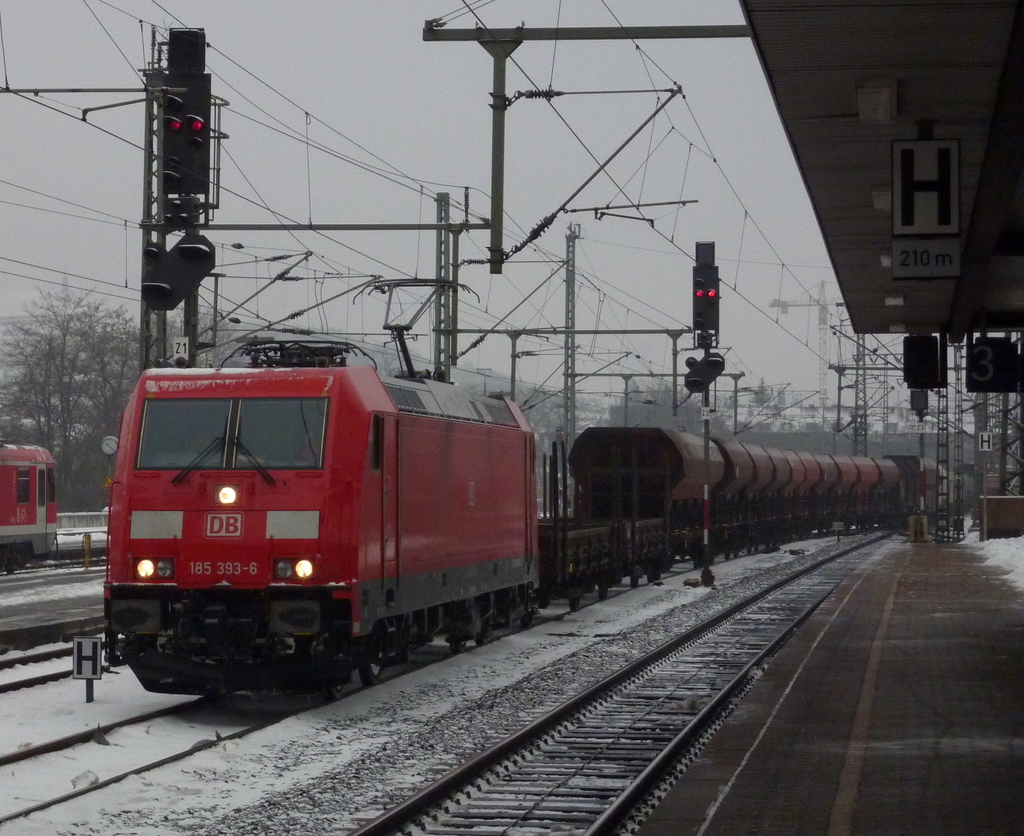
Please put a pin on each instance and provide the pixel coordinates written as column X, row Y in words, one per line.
column 234, row 434
column 283, row 432
column 179, row 433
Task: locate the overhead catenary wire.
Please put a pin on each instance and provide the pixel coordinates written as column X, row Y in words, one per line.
column 363, row 254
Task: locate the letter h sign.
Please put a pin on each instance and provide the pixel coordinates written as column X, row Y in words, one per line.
column 926, row 187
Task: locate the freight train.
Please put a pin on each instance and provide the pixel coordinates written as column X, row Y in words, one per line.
column 28, row 505
column 638, row 503
column 285, row 525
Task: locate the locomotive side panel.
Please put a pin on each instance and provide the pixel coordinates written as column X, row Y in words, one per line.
column 464, row 496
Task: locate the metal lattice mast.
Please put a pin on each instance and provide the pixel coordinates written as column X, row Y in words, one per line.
column 942, row 462
column 821, row 303
column 957, row 521
column 152, row 324
column 569, row 360
column 1013, row 448
column 443, row 326
column 860, row 399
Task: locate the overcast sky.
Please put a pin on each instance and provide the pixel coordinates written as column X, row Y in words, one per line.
column 339, row 112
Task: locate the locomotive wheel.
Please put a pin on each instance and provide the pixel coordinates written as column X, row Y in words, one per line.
column 485, row 633
column 370, row 670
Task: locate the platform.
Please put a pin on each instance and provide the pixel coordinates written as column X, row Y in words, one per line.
column 898, row 708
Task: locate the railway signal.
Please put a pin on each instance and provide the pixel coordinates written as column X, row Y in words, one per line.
column 185, row 132
column 169, row 276
column 701, row 373
column 706, row 296
column 921, row 366
column 185, row 128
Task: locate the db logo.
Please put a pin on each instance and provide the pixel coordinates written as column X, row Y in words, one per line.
column 223, row 525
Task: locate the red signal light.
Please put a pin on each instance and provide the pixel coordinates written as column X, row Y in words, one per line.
column 698, row 293
column 712, row 294
column 195, row 124
column 173, row 124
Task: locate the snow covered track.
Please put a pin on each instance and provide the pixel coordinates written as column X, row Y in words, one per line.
column 36, row 662
column 585, row 766
column 202, row 711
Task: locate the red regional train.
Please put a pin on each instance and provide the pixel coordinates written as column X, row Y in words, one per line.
column 280, row 528
column 28, row 505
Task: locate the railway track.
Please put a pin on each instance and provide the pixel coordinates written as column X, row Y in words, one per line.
column 206, row 732
column 222, row 720
column 589, row 765
column 36, row 660
column 197, row 712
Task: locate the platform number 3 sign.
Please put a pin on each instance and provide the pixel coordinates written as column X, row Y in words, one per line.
column 993, row 365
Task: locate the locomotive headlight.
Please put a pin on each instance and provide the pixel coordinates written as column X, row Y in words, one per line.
column 286, row 569
column 227, row 494
column 162, row 567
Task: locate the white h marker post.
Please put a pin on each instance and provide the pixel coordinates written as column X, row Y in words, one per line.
column 87, row 661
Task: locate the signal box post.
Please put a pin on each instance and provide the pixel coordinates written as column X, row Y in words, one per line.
column 183, row 199
column 702, row 373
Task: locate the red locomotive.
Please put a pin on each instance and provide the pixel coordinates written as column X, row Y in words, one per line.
column 28, row 505
column 280, row 528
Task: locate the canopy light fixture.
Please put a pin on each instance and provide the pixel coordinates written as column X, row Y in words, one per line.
column 876, row 101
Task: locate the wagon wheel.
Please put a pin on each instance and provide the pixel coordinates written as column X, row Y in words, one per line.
column 485, row 633
column 457, row 643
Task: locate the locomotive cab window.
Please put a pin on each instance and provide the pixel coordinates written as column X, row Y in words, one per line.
column 232, row 434
column 281, row 432
column 183, row 433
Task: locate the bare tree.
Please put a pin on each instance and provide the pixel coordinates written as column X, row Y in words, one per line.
column 71, row 363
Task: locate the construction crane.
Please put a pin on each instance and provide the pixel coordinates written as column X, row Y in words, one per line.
column 821, row 303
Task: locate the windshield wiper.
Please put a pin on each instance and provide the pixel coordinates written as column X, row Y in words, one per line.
column 260, row 469
column 194, row 465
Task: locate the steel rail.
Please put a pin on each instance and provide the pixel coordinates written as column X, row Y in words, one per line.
column 403, row 814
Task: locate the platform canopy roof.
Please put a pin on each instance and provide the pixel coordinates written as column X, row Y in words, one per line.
column 850, row 79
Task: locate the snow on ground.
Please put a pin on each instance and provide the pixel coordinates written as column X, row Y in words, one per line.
column 329, row 769
column 1004, row 554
